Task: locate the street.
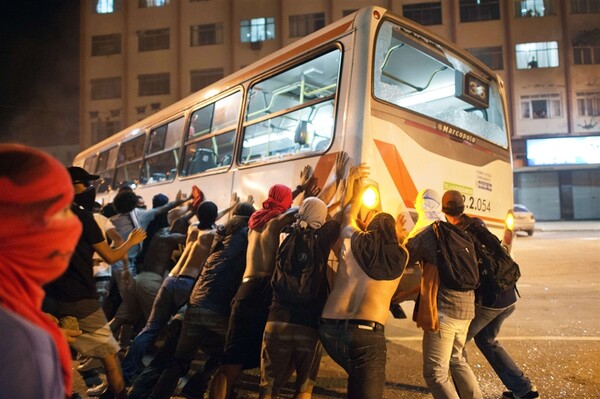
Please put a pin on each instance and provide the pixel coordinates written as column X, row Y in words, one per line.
column 554, row 335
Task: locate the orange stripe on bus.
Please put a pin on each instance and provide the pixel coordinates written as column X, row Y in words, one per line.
column 397, row 169
column 323, row 168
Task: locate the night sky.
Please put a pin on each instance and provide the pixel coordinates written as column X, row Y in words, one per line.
column 39, row 71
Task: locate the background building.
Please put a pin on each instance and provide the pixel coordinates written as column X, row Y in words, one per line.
column 138, row 56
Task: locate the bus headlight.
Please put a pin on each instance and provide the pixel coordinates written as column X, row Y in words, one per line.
column 370, row 197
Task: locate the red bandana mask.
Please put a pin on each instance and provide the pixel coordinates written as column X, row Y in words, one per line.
column 279, row 201
column 37, row 237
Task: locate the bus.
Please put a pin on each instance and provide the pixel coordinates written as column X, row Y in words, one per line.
column 421, row 112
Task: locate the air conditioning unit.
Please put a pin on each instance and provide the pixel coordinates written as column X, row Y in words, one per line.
column 255, row 45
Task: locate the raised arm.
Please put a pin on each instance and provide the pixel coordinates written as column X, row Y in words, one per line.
column 331, row 187
column 352, row 196
column 180, row 199
column 111, row 255
column 306, row 178
column 234, row 201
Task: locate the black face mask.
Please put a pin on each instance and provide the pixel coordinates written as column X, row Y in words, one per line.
column 86, row 199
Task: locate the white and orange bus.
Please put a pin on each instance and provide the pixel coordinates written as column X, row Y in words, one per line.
column 421, row 112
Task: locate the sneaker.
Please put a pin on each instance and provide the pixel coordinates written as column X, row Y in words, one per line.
column 98, row 390
column 529, row 395
column 88, row 364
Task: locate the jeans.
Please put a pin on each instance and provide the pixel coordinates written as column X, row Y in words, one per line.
column 443, row 350
column 485, row 328
column 171, row 296
column 362, row 353
column 202, row 329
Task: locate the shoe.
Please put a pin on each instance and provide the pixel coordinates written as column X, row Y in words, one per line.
column 98, row 390
column 88, row 364
column 532, row 394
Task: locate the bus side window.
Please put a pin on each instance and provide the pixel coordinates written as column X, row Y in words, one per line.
column 210, row 153
column 162, row 152
column 292, row 113
column 211, row 135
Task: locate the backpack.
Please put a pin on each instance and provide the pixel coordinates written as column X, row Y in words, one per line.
column 497, row 269
column 299, row 273
column 456, row 257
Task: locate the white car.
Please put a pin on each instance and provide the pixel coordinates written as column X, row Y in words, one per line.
column 524, row 219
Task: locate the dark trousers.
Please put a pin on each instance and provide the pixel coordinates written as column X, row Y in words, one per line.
column 361, row 352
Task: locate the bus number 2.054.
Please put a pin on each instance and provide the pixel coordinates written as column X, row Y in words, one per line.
column 478, row 204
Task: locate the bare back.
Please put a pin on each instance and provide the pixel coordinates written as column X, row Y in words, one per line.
column 262, row 246
column 198, row 253
column 355, row 295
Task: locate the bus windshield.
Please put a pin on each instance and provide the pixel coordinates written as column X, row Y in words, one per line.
column 414, row 73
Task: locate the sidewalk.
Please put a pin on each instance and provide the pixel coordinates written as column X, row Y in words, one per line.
column 586, row 225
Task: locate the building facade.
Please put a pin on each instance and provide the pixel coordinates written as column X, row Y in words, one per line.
column 138, row 56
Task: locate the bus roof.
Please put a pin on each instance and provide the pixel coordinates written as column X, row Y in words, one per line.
column 263, row 65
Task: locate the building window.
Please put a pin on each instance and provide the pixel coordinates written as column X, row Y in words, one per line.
column 586, row 47
column 586, row 55
column 302, row 25
column 152, row 3
column 490, row 56
column 257, row 30
column 106, row 88
column 585, row 6
column 106, row 44
column 203, row 35
column 588, row 103
column 200, row 78
column 541, row 106
column 534, row 8
column 104, row 129
column 153, row 39
column 106, row 6
column 537, row 55
column 424, row 13
column 154, row 84
column 479, row 10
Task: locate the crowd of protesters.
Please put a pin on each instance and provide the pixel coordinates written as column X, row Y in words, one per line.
column 142, row 293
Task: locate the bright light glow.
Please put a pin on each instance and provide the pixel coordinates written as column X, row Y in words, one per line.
column 370, row 197
column 427, row 96
column 510, row 221
column 210, row 93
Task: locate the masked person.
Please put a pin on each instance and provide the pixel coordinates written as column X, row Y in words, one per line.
column 38, row 234
column 74, row 292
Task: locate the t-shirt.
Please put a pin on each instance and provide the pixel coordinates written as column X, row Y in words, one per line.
column 31, row 367
column 308, row 314
column 77, row 282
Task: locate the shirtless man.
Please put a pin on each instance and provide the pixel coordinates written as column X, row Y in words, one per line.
column 175, row 288
column 149, row 280
column 352, row 324
column 250, row 307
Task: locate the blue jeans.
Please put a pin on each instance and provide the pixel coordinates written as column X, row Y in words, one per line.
column 485, row 328
column 443, row 350
column 173, row 294
column 202, row 329
column 362, row 353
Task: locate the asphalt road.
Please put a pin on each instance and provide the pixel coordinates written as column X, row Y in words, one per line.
column 554, row 334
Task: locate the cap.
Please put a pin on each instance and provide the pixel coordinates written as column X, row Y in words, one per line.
column 453, row 203
column 80, row 174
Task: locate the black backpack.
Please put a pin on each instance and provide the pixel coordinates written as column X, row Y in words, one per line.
column 299, row 273
column 497, row 269
column 456, row 257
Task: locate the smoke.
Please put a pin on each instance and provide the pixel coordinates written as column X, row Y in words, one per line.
column 39, row 86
